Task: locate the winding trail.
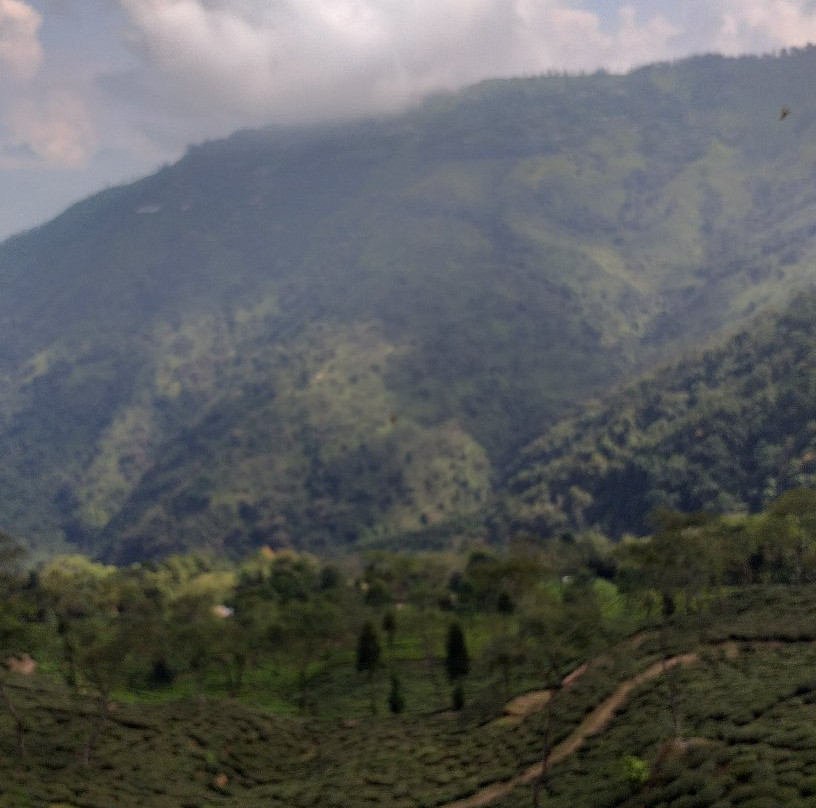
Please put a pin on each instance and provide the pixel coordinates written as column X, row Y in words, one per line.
column 517, row 709
column 592, row 723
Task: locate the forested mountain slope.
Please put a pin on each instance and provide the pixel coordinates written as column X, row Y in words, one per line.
column 726, row 430
column 336, row 335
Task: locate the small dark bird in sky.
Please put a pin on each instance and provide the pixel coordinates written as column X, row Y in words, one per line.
column 783, row 113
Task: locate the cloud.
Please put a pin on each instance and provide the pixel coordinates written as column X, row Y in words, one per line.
column 558, row 37
column 313, row 59
column 752, row 25
column 54, row 129
column 44, row 120
column 20, row 50
column 198, row 68
column 119, row 86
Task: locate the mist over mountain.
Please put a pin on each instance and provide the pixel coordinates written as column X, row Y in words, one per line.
column 340, row 336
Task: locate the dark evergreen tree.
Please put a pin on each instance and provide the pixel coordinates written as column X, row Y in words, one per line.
column 389, row 626
column 458, row 697
column 457, row 661
column 368, row 649
column 396, row 701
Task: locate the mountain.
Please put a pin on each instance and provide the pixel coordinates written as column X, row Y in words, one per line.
column 338, row 335
column 726, row 430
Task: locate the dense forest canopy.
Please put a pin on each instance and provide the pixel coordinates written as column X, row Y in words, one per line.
column 726, row 430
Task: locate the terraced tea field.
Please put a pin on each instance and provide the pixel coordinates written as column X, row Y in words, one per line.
column 744, row 694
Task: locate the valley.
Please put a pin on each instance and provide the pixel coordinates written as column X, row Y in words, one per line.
column 394, row 462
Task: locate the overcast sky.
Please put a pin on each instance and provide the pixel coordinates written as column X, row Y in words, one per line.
column 97, row 92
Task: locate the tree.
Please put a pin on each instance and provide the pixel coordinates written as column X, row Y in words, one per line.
column 389, row 626
column 368, row 657
column 504, row 604
column 503, row 654
column 100, row 648
column 788, row 530
column 396, row 701
column 235, row 648
column 11, row 554
column 559, row 631
column 105, row 623
column 457, row 661
column 192, row 632
column 458, row 697
column 682, row 561
column 368, row 649
column 308, row 629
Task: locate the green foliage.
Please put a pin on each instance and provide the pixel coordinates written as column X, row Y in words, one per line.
column 637, row 770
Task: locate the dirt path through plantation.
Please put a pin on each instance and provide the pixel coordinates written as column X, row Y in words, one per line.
column 606, row 710
column 593, row 723
column 517, row 709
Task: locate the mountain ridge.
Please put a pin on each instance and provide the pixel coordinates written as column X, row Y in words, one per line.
column 460, row 275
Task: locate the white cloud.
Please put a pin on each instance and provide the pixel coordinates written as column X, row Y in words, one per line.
column 20, row 50
column 557, row 36
column 751, row 25
column 44, row 120
column 311, row 59
column 54, row 129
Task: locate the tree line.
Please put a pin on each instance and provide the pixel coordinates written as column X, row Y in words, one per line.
column 401, row 633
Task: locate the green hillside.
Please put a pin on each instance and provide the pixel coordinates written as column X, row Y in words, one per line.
column 337, row 336
column 726, row 430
